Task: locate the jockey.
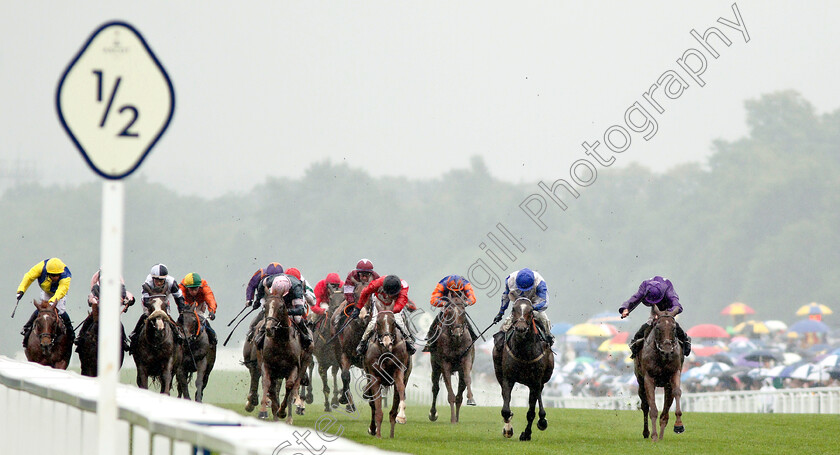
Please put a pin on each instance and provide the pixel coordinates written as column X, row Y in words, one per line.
column 199, row 297
column 530, row 285
column 93, row 297
column 389, row 290
column 323, row 290
column 54, row 280
column 271, row 269
column 158, row 284
column 448, row 287
column 357, row 279
column 309, row 295
column 291, row 289
column 660, row 292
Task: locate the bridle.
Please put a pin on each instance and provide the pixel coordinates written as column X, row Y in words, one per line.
column 673, row 339
column 455, row 330
column 391, row 332
column 55, row 333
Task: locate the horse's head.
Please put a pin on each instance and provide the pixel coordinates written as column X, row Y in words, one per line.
column 665, row 332
column 46, row 326
column 523, row 314
column 276, row 315
column 386, row 334
column 454, row 318
column 190, row 324
column 157, row 307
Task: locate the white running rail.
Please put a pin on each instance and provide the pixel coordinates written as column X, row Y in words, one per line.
column 43, row 410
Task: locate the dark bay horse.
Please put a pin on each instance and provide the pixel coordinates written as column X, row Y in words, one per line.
column 520, row 356
column 89, row 343
column 449, row 355
column 156, row 354
column 49, row 343
column 659, row 364
column 387, row 363
column 351, row 335
column 197, row 355
column 328, row 352
column 280, row 358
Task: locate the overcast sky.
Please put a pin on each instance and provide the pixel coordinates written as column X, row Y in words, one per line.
column 414, row 88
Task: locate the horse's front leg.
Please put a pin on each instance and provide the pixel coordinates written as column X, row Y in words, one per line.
column 433, row 416
column 542, row 424
column 199, row 381
column 466, row 370
column 267, row 387
column 346, row 397
column 446, row 370
column 533, row 394
column 653, row 413
column 644, row 406
column 183, row 384
column 676, row 389
column 399, row 399
column 336, row 394
column 666, row 411
column 292, row 390
column 142, row 376
column 325, row 385
column 459, row 396
column 507, row 386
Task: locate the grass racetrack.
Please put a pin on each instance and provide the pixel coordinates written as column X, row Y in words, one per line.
column 577, row 431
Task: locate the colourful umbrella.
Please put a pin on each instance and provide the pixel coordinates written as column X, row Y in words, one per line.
column 752, row 327
column 807, row 326
column 620, row 337
column 775, row 325
column 813, row 308
column 609, row 346
column 705, row 351
column 707, row 331
column 737, row 309
column 560, row 328
column 587, row 329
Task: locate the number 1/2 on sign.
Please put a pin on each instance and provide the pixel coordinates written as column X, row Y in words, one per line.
column 125, row 132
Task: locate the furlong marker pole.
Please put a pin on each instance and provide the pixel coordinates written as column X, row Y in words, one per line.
column 110, row 340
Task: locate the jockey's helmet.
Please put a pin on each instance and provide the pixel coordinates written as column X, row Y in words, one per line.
column 525, row 279
column 364, row 265
column 55, row 266
column 391, row 285
column 192, row 280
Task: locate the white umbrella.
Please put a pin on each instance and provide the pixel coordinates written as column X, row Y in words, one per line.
column 803, row 371
column 818, row 375
column 706, row 369
column 772, row 372
column 583, row 369
column 790, row 358
column 775, row 325
column 829, row 362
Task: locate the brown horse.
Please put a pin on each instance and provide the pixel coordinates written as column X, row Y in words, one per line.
column 328, row 352
column 386, row 363
column 49, row 343
column 89, row 343
column 280, row 358
column 197, row 355
column 350, row 336
column 659, row 364
column 520, row 356
column 448, row 357
column 156, row 353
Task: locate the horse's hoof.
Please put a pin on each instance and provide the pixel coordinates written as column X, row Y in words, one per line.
column 507, row 432
column 433, row 417
column 400, row 420
column 679, row 429
column 342, row 399
column 371, row 432
column 542, row 424
column 249, row 407
column 471, row 402
column 525, row 436
column 309, row 398
column 351, row 407
column 263, row 415
column 327, row 408
column 299, row 410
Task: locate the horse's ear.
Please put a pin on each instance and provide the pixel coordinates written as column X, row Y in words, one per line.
column 656, row 310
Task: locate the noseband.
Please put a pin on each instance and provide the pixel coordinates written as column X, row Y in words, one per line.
column 673, row 337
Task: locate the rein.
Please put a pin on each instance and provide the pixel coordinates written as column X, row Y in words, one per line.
column 655, row 341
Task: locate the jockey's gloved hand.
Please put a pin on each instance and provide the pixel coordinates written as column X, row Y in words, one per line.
column 19, row 295
column 249, row 303
column 212, row 316
column 355, row 313
column 129, row 302
column 297, row 311
column 498, row 318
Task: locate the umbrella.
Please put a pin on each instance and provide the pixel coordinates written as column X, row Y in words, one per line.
column 813, row 308
column 737, row 309
column 830, row 362
column 560, row 328
column 760, row 355
column 583, row 369
column 587, row 329
column 803, row 371
column 707, row 331
column 610, row 317
column 609, row 346
column 775, row 325
column 808, row 326
column 790, row 358
column 707, row 369
column 752, row 327
column 705, row 351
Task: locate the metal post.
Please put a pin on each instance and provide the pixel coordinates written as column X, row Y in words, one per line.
column 111, row 256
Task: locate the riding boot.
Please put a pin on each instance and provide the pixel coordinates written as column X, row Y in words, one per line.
column 638, row 340
column 409, row 342
column 361, row 349
column 135, row 334
column 545, row 333
column 430, row 336
column 305, row 339
column 27, row 328
column 211, row 334
column 685, row 341
column 473, row 335
column 68, row 324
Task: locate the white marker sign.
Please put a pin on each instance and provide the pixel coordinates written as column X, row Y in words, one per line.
column 115, row 100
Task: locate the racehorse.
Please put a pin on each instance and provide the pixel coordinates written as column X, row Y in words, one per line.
column 521, row 356
column 659, row 364
column 49, row 343
column 156, row 354
column 328, row 353
column 448, row 357
column 197, row 355
column 280, row 358
column 89, row 342
column 386, row 363
column 350, row 336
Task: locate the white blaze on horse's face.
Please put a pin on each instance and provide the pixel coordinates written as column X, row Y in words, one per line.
column 158, row 313
column 387, row 341
column 520, row 322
